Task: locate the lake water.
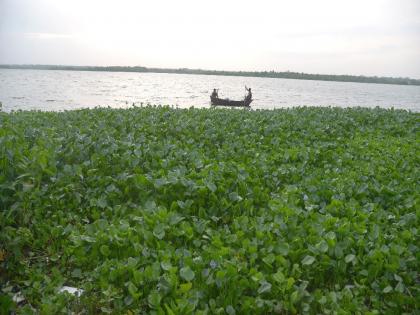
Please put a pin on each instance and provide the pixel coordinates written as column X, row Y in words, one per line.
column 61, row 90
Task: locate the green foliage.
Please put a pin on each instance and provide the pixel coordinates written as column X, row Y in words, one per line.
column 164, row 211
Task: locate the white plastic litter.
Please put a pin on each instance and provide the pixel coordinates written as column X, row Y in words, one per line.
column 71, row 290
column 18, row 298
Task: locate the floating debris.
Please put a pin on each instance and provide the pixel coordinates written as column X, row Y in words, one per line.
column 18, row 298
column 71, row 290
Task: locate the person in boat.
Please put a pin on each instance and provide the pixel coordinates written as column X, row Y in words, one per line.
column 215, row 94
column 249, row 95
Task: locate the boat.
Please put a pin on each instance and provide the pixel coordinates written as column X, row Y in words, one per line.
column 215, row 101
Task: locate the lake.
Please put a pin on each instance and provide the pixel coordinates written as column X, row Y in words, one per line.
column 63, row 90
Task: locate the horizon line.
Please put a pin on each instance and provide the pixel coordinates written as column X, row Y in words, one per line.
column 259, row 73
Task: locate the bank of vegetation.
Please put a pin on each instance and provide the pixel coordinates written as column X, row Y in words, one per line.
column 263, row 74
column 207, row 211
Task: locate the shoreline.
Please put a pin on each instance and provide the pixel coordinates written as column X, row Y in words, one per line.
column 256, row 74
column 227, row 108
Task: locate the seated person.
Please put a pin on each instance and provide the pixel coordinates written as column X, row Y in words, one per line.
column 215, row 94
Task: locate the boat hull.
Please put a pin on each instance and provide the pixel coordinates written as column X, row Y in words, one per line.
column 225, row 102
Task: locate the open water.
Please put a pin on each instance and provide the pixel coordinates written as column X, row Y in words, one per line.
column 64, row 90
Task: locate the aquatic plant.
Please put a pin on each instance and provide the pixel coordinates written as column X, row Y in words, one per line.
column 180, row 211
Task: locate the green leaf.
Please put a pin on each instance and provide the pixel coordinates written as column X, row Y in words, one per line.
column 233, row 196
column 169, row 311
column 166, row 265
column 397, row 277
column 185, row 287
column 400, row 287
column 211, row 186
column 290, row 282
column 159, row 231
column 187, row 274
column 137, row 276
column 132, row 289
column 387, row 289
column 128, row 300
column 294, row 297
column 175, row 218
column 322, row 246
column 77, row 273
column 283, row 249
column 104, row 249
column 7, row 305
column 154, row 299
column 230, row 310
column 102, row 203
column 88, row 239
column 265, row 287
column 308, row 260
column 349, row 258
column 279, row 277
column 330, row 235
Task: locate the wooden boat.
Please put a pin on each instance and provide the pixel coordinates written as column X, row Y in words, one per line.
column 215, row 101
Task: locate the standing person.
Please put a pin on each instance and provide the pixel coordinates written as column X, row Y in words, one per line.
column 249, row 96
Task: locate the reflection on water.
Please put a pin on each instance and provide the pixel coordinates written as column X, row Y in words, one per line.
column 59, row 90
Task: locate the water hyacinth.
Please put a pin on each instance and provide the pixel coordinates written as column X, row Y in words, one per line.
column 196, row 211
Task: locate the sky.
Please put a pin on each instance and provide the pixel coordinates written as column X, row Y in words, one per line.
column 358, row 37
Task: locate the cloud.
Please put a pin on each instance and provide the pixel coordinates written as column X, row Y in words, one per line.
column 47, row 36
column 319, row 36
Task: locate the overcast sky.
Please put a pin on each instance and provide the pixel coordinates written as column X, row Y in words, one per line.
column 369, row 37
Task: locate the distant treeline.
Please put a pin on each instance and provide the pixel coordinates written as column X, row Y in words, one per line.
column 263, row 74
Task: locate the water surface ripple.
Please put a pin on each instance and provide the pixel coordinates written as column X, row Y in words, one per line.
column 62, row 90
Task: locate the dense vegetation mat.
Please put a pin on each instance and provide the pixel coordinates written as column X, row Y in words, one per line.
column 173, row 211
